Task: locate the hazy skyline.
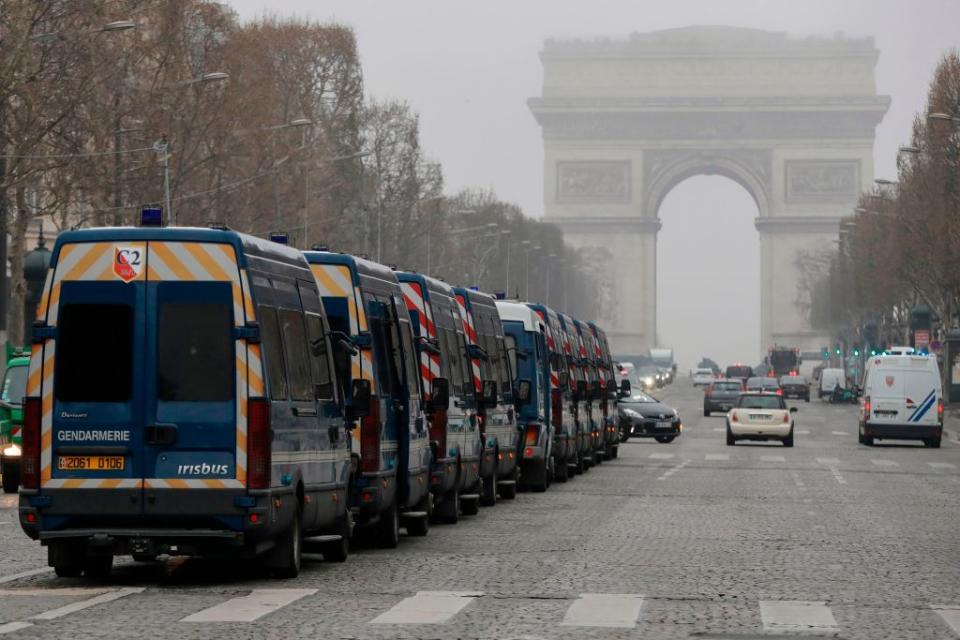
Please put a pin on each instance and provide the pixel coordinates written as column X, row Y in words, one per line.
column 469, row 68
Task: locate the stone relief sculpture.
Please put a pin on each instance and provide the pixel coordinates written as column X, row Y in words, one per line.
column 823, row 180
column 601, row 181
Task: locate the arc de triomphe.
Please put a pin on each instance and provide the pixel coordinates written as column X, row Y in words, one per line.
column 624, row 121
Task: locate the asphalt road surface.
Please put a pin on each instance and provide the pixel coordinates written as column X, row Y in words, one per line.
column 689, row 539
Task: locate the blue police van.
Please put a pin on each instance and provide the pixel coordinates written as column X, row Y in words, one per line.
column 182, row 400
column 391, row 447
column 451, row 404
column 526, row 340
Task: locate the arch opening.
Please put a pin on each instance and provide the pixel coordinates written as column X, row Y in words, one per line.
column 708, row 270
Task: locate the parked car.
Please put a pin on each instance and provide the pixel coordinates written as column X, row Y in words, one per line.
column 643, row 416
column 760, row 416
column 795, row 387
column 721, row 395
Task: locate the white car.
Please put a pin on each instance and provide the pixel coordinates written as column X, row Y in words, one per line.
column 760, row 416
column 703, row 377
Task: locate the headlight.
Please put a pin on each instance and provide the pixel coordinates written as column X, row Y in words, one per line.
column 648, row 381
column 11, row 451
column 630, row 413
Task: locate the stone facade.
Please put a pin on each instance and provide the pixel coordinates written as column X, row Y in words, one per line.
column 791, row 120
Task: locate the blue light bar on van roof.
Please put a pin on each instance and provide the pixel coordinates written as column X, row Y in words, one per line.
column 151, row 217
column 279, row 238
column 474, row 288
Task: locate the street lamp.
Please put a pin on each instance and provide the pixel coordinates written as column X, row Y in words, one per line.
column 506, row 232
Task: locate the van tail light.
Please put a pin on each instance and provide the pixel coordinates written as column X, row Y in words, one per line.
column 370, row 438
column 533, row 431
column 779, row 392
column 438, row 431
column 734, row 417
column 866, row 406
column 30, row 444
column 259, row 443
column 940, row 410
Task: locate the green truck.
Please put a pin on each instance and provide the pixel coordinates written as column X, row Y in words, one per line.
column 12, row 392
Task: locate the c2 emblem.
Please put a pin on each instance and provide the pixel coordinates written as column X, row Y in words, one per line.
column 128, row 262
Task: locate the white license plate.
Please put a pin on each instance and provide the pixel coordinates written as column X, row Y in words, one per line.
column 666, row 424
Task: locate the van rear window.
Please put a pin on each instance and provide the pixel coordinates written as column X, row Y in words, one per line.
column 94, row 353
column 195, row 358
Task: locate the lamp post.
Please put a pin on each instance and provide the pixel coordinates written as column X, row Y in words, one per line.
column 506, row 233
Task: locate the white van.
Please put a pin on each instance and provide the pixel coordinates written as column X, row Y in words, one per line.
column 902, row 398
column 829, row 379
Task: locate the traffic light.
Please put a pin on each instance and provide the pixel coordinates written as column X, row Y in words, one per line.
column 826, row 353
column 856, row 352
column 838, row 352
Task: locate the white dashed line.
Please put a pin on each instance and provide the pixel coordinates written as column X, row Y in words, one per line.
column 828, row 460
column 836, row 474
column 840, row 433
column 797, row 480
column 885, row 463
column 24, row 574
column 53, row 614
column 942, row 465
column 10, row 627
column 619, row 610
column 427, row 607
column 773, row 458
column 950, row 615
column 660, row 456
column 672, row 470
column 717, row 456
column 797, row 615
column 802, row 432
column 719, row 429
column 251, row 607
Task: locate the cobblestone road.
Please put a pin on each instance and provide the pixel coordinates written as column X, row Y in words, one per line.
column 689, row 539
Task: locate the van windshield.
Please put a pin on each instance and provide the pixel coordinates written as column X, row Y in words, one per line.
column 15, row 385
column 94, row 353
column 195, row 359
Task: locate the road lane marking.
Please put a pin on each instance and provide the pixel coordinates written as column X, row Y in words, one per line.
column 781, row 616
column 950, row 615
column 942, row 465
column 619, row 610
column 717, row 456
column 885, row 463
column 836, row 474
column 828, row 460
column 840, row 433
column 24, row 574
column 773, row 458
column 57, row 591
column 10, row 627
column 719, row 428
column 251, row 607
column 660, row 456
column 427, row 607
column 797, row 480
column 802, row 432
column 672, row 470
column 110, row 596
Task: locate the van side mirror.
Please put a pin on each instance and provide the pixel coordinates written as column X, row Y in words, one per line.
column 360, row 396
column 793, row 409
column 523, row 391
column 489, row 393
column 440, row 393
column 625, row 389
column 476, row 351
column 612, row 388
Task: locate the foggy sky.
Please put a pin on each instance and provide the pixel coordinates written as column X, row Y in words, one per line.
column 468, row 68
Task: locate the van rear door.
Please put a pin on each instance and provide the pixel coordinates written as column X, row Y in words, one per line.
column 888, row 398
column 194, row 414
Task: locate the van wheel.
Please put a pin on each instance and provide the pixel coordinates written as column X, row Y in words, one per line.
column 706, row 412
column 388, row 529
column 488, row 490
column 561, row 472
column 338, row 551
column 788, row 441
column 509, row 491
column 66, row 558
column 615, row 451
column 933, row 443
column 288, row 554
column 97, row 567
column 418, row 527
column 470, row 507
column 448, row 511
column 730, row 439
column 664, row 439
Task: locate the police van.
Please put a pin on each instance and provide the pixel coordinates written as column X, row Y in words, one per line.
column 902, row 399
column 181, row 400
column 493, row 383
column 609, row 391
column 578, row 386
column 562, row 404
column 391, row 445
column 526, row 340
column 451, row 400
column 588, row 362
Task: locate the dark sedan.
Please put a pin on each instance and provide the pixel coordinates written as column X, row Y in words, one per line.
column 643, row 416
column 795, row 387
column 721, row 396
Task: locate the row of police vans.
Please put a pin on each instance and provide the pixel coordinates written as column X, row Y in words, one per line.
column 204, row 392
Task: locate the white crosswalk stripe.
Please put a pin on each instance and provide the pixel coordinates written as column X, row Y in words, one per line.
column 717, row 456
column 885, row 463
column 110, row 596
column 782, row 616
column 619, row 610
column 950, row 615
column 660, row 456
column 427, row 607
column 840, row 433
column 251, row 607
column 10, row 627
column 942, row 465
column 773, row 458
